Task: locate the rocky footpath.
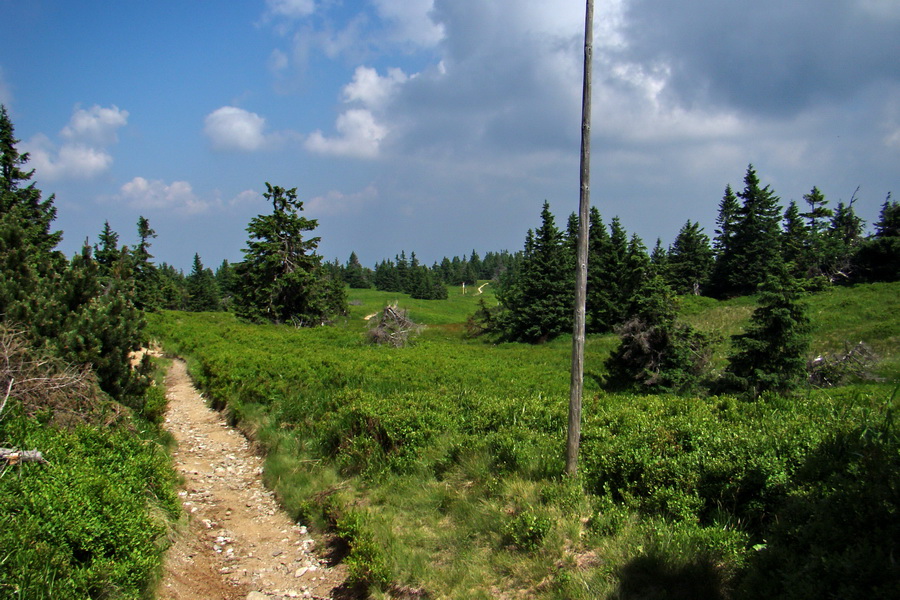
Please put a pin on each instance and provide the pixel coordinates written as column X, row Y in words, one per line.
column 237, row 543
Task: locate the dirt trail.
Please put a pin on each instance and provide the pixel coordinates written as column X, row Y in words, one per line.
column 238, row 544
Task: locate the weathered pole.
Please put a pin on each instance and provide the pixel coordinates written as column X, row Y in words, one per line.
column 573, row 438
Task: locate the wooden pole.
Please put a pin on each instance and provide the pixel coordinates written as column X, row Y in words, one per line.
column 573, row 438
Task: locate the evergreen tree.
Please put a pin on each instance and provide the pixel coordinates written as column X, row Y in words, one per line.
column 756, row 244
column 21, row 200
column 107, row 252
column 796, row 243
column 656, row 353
column 771, row 354
column 601, row 309
column 202, row 289
column 878, row 258
column 537, row 305
column 146, row 280
column 354, row 274
column 61, row 305
column 723, row 244
column 817, row 219
column 690, row 260
column 659, row 260
column 281, row 278
column 843, row 238
column 226, row 280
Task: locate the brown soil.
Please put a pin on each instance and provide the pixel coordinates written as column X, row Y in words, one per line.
column 237, row 544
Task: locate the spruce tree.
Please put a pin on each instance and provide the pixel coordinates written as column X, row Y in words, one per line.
column 281, row 278
column 146, row 278
column 690, row 260
column 817, row 219
column 878, row 258
column 601, row 309
column 796, row 243
column 203, row 291
column 537, row 305
column 756, row 244
column 656, row 353
column 723, row 244
column 21, row 200
column 354, row 274
column 107, row 252
column 771, row 354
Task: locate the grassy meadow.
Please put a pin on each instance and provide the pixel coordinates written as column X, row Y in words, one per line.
column 440, row 463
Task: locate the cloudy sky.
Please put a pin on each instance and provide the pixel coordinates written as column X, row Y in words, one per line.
column 441, row 126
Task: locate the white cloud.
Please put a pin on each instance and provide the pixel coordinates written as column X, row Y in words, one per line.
column 96, row 126
column 412, row 21
column 292, row 9
column 83, row 155
column 360, row 136
column 232, row 128
column 179, row 196
column 338, row 203
column 70, row 161
column 371, row 89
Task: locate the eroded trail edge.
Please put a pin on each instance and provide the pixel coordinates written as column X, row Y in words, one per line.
column 238, row 544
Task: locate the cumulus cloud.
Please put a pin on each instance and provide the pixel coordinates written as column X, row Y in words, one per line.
column 156, row 195
column 371, row 89
column 411, row 21
column 69, row 161
column 232, row 128
column 360, row 136
column 84, row 154
column 96, row 125
column 770, row 57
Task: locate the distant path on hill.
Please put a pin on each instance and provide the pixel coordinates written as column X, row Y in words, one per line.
column 238, row 544
column 481, row 287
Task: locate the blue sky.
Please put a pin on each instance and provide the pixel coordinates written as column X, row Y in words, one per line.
column 441, row 126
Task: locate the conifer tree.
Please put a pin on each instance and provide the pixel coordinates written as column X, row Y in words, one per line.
column 878, row 258
column 146, row 279
column 656, row 353
column 690, row 260
column 771, row 354
column 750, row 246
column 723, row 247
column 537, row 305
column 21, row 200
column 601, row 311
column 202, row 289
column 281, row 277
column 796, row 243
column 107, row 252
column 354, row 274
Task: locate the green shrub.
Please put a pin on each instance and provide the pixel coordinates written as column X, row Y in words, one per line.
column 527, row 530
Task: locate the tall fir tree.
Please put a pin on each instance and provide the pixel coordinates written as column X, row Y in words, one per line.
column 754, row 248
column 203, row 291
column 690, row 260
column 537, row 305
column 796, row 243
column 723, row 243
column 878, row 258
column 281, row 277
column 770, row 356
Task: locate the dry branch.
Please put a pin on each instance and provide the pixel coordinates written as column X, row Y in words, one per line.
column 15, row 457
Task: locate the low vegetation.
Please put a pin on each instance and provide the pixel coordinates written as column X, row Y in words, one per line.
column 440, row 462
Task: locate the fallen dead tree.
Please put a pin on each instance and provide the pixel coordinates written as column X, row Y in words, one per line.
column 393, row 326
column 855, row 362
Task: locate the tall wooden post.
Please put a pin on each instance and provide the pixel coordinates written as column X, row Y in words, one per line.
column 574, row 431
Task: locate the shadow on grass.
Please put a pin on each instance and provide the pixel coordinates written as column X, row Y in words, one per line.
column 656, row 578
